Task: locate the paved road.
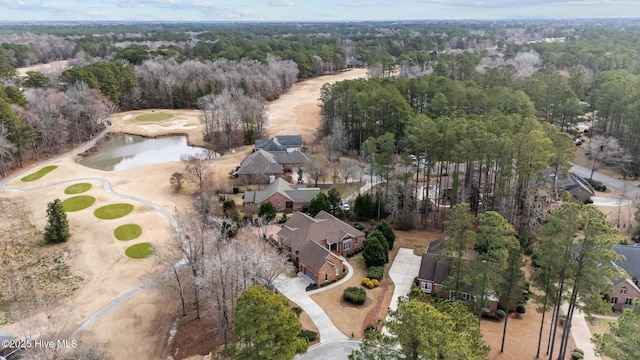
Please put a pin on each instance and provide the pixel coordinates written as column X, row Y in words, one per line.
column 632, row 189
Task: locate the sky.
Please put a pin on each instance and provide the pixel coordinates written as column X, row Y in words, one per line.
column 311, row 10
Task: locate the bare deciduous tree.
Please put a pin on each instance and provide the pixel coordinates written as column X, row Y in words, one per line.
column 349, row 169
column 336, row 143
column 317, row 168
column 196, row 170
column 605, row 150
column 177, row 180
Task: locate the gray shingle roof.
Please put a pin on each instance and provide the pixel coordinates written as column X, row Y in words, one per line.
column 631, row 263
column 279, row 143
column 297, row 194
column 293, row 157
column 260, row 162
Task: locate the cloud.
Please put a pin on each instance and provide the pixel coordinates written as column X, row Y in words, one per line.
column 278, row 2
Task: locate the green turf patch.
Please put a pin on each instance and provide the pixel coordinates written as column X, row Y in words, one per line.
column 113, row 211
column 78, row 203
column 127, row 232
column 140, row 251
column 40, row 173
column 77, row 188
column 155, row 116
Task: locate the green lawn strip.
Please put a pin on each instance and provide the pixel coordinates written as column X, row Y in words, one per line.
column 77, row 188
column 40, row 173
column 78, row 203
column 127, row 232
column 113, row 211
column 156, row 116
column 140, row 251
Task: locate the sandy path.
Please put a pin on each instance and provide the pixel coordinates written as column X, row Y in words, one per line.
column 111, row 304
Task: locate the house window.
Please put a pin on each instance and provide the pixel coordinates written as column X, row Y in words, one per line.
column 623, row 290
column 326, row 277
column 628, row 302
column 289, row 205
column 426, row 287
column 346, row 245
column 356, row 241
column 614, row 300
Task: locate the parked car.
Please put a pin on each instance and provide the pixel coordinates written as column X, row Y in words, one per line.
column 346, row 207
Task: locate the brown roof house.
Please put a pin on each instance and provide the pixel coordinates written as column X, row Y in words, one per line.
column 315, row 245
column 261, row 165
column 434, row 271
column 283, row 196
column 625, row 291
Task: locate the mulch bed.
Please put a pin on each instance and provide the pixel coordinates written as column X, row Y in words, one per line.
column 374, row 314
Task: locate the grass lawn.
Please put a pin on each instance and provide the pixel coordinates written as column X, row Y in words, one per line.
column 140, row 251
column 77, row 188
column 40, row 173
column 155, row 116
column 127, row 232
column 78, row 203
column 113, row 211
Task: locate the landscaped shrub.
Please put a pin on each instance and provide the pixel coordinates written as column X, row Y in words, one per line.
column 577, row 356
column 236, row 190
column 500, row 314
column 355, row 295
column 370, row 283
column 308, row 334
column 375, row 272
column 358, row 226
column 578, row 350
column 228, row 205
column 521, row 309
column 296, row 310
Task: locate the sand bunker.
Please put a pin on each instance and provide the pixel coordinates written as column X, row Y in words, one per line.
column 175, row 125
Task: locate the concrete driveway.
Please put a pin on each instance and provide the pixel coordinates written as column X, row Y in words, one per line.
column 339, row 350
column 404, row 269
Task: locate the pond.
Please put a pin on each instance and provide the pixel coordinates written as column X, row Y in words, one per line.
column 130, row 151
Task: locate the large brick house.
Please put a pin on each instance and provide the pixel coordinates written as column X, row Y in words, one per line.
column 626, row 291
column 316, row 245
column 434, row 271
column 283, row 196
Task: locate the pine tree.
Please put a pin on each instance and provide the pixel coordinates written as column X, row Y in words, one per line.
column 57, row 229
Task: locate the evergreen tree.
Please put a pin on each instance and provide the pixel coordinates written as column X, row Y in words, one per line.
column 621, row 342
column 420, row 330
column 319, row 203
column 461, row 236
column 57, row 229
column 376, row 251
column 267, row 210
column 387, row 231
column 334, row 198
column 265, row 327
